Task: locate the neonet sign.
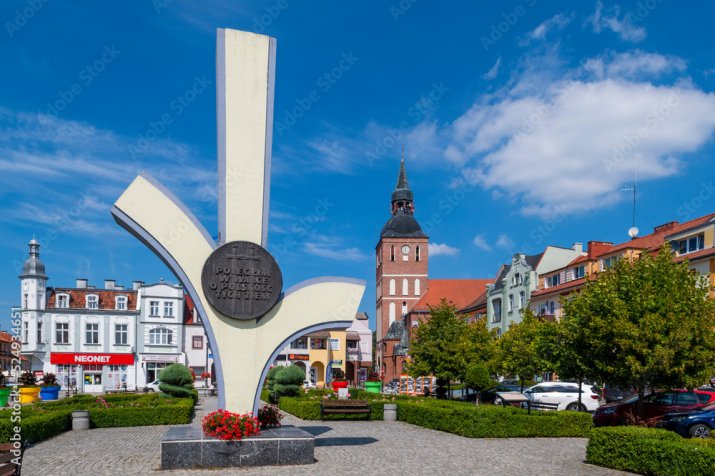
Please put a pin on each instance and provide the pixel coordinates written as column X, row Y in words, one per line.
column 71, row 358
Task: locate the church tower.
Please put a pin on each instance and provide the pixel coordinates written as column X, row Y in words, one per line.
column 401, row 267
column 33, row 280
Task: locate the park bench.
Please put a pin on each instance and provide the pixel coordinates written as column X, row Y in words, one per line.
column 345, row 407
column 10, row 464
column 544, row 406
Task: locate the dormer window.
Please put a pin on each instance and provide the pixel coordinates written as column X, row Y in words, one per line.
column 579, row 272
column 63, row 301
column 609, row 262
column 92, row 301
column 688, row 245
column 552, row 281
column 121, row 303
column 517, row 279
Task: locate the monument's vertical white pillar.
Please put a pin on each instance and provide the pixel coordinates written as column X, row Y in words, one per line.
column 245, row 68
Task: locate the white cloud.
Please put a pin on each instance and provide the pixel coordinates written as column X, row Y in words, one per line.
column 437, row 249
column 556, row 22
column 633, row 64
column 493, row 71
column 503, row 241
column 610, row 19
column 334, row 249
column 481, row 243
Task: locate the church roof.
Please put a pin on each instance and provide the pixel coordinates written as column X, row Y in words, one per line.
column 402, row 225
column 458, row 292
column 402, row 189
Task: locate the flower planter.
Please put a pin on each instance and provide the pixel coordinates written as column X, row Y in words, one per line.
column 336, row 384
column 50, row 393
column 4, row 395
column 29, row 394
column 373, row 387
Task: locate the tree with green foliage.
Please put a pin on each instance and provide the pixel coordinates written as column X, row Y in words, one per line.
column 446, row 345
column 478, row 378
column 518, row 349
column 176, row 380
column 287, row 382
column 646, row 323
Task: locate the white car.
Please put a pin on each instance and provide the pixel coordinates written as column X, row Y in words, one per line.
column 562, row 396
column 152, row 386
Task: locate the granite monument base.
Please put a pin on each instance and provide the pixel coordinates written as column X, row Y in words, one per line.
column 185, row 446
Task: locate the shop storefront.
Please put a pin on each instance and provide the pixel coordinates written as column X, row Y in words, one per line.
column 92, row 373
column 155, row 363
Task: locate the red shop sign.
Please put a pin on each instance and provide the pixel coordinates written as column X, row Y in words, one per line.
column 71, row 358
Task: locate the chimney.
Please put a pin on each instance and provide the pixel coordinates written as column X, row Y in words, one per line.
column 664, row 227
column 578, row 247
column 81, row 283
column 597, row 248
column 109, row 284
column 119, row 287
column 136, row 285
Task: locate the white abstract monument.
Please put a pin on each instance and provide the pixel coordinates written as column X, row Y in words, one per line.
column 235, row 283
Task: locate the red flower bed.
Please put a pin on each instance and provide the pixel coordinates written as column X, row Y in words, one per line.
column 230, row 426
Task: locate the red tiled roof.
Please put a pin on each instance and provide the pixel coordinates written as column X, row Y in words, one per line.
column 477, row 304
column 561, row 287
column 459, row 292
column 657, row 238
column 696, row 254
column 78, row 298
column 5, row 337
column 578, row 259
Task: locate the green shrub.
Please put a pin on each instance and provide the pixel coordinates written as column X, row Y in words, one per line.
column 178, row 381
column 176, row 414
column 36, row 426
column 490, row 421
column 287, row 382
column 650, row 451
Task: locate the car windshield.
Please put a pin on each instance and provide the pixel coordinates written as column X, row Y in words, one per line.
column 709, row 407
column 632, row 399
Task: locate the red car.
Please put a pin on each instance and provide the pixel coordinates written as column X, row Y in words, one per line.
column 655, row 406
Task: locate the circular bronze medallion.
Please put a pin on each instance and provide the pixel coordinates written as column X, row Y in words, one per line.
column 241, row 280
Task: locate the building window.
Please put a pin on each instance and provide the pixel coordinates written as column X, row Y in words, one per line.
column 511, row 303
column 392, row 313
column 92, row 301
column 63, row 301
column 352, row 345
column 39, row 332
column 517, row 279
column 579, row 272
column 417, row 253
column 25, row 332
column 62, row 333
column 168, row 309
column 160, row 336
column 91, row 335
column 24, row 301
column 392, row 252
column 197, row 342
column 121, row 303
column 405, row 287
column 609, row 262
column 334, row 344
column 554, row 280
column 688, row 245
column 392, row 287
column 121, row 334
column 417, row 287
column 299, row 343
column 317, row 343
column 496, row 308
column 522, row 300
column 153, row 369
column 404, row 308
column 154, row 308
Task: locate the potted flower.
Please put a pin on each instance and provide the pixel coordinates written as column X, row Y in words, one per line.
column 230, row 426
column 49, row 390
column 4, row 391
column 269, row 416
column 339, row 379
column 373, row 384
column 29, row 391
column 206, row 376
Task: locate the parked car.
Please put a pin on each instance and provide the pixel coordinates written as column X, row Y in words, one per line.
column 308, row 384
column 490, row 395
column 152, row 386
column 655, row 405
column 705, row 395
column 696, row 423
column 563, row 396
column 615, row 394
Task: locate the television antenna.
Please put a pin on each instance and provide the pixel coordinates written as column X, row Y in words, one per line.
column 633, row 230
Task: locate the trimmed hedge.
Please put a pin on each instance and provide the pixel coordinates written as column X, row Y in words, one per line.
column 310, row 409
column 37, row 427
column 174, row 414
column 490, row 421
column 650, row 451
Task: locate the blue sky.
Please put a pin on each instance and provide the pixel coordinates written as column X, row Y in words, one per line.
column 522, row 122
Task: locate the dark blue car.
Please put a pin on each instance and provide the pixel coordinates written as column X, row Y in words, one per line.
column 695, row 423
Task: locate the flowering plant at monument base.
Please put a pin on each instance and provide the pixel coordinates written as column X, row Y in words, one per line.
column 230, row 426
column 269, row 416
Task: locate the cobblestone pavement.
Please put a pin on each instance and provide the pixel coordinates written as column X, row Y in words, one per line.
column 342, row 448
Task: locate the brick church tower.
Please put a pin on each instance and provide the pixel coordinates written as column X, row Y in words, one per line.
column 401, row 276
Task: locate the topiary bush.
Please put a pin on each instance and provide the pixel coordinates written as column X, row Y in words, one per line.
column 271, row 381
column 176, row 380
column 650, row 451
column 288, row 382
